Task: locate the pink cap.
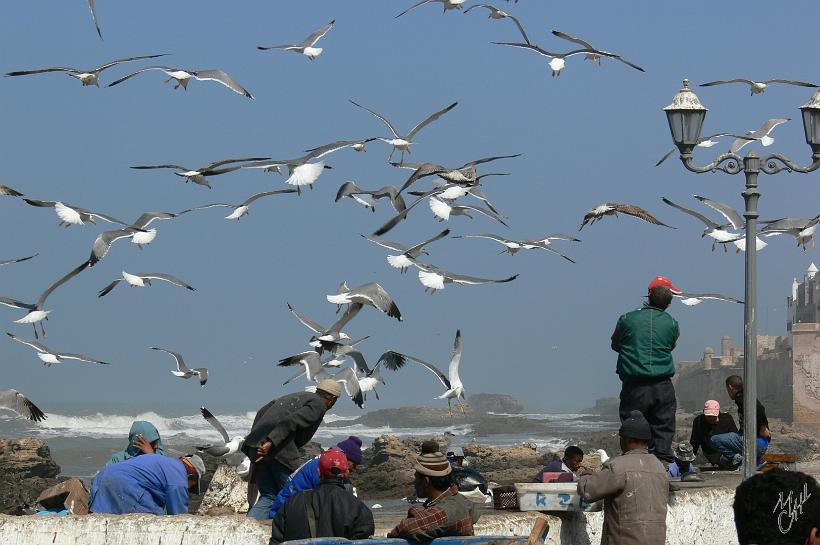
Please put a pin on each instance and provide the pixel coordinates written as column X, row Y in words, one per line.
column 711, row 408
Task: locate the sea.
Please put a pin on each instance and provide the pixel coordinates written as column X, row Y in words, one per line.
column 81, row 441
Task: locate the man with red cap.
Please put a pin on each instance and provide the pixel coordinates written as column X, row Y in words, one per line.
column 329, row 510
column 644, row 340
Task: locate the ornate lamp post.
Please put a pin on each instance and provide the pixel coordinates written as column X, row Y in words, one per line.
column 686, row 115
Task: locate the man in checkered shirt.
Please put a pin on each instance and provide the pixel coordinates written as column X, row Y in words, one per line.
column 445, row 513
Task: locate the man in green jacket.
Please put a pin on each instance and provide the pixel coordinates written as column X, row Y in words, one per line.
column 644, row 340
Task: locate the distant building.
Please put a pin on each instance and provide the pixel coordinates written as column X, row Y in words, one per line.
column 788, row 366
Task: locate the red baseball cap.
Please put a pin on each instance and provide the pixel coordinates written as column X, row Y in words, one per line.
column 664, row 281
column 333, row 459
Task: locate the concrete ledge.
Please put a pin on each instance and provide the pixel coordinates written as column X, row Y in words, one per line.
column 696, row 516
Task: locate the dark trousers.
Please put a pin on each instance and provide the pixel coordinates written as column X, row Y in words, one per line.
column 656, row 400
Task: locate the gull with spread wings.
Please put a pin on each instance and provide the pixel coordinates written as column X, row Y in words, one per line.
column 452, row 382
column 692, row 299
column 448, row 5
column 86, row 77
column 444, row 208
column 761, row 134
column 327, row 338
column 402, row 261
column 557, row 60
column 496, row 13
column 801, row 229
column 50, row 357
column 402, row 142
column 12, row 400
column 433, row 278
column 613, row 209
column 513, row 246
column 72, row 215
column 230, row 449
column 466, row 174
column 757, row 86
column 316, row 371
column 198, row 175
column 366, row 197
column 717, row 232
column 182, row 77
column 598, row 53
column 703, row 142
column 141, row 280
column 371, row 294
column 182, row 370
column 242, row 209
column 138, row 232
column 306, row 47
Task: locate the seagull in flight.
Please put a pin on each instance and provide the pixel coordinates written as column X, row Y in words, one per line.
column 597, row 54
column 513, row 246
column 496, row 13
column 717, row 232
column 761, row 134
column 73, row 215
column 613, row 209
column 402, row 261
column 6, row 191
column 433, row 278
column 366, row 197
column 451, row 381
column 14, row 401
column 86, row 77
column 198, row 175
column 49, row 357
column 703, row 142
column 242, row 209
column 371, row 294
column 37, row 312
column 141, row 280
column 94, row 17
column 443, row 209
column 558, row 60
column 448, row 5
column 757, row 87
column 465, row 174
column 801, row 229
column 230, row 449
column 692, row 299
column 736, row 221
column 327, row 338
column 138, row 232
column 337, row 354
column 183, row 371
column 398, row 218
column 402, row 142
column 355, row 145
column 17, row 260
column 182, row 77
column 316, row 372
column 306, row 47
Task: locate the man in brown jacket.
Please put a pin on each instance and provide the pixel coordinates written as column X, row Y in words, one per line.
column 634, row 488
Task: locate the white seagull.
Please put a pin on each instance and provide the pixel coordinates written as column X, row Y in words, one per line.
column 14, row 401
column 365, row 197
column 72, row 215
column 455, row 389
column 138, row 232
column 496, row 13
column 433, row 278
column 736, row 221
column 17, row 260
column 183, row 371
column 316, row 372
column 443, row 209
column 371, row 294
column 513, row 246
column 558, row 60
column 465, row 174
column 801, row 229
column 402, row 260
column 231, row 449
column 402, row 142
column 757, row 86
column 49, row 357
column 761, row 134
column 242, row 209
column 692, row 299
column 326, row 338
column 37, row 312
column 703, row 142
column 86, row 77
column 595, row 57
column 338, row 353
column 198, row 175
column 448, row 5
column 306, row 47
column 141, row 280
column 399, row 217
column 713, row 230
column 613, row 209
column 182, row 77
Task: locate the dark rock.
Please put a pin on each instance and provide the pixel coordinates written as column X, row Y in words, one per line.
column 26, row 469
column 495, row 403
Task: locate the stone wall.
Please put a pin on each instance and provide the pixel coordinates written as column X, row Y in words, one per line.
column 806, row 350
column 696, row 517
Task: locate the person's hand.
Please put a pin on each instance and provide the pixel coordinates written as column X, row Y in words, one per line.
column 765, row 433
column 263, row 450
column 143, row 444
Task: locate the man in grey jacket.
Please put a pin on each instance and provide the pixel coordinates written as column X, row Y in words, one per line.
column 279, row 430
column 634, row 488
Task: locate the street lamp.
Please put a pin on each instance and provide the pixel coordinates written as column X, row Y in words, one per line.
column 686, row 115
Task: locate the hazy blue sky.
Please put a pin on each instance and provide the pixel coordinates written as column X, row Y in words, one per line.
column 589, row 136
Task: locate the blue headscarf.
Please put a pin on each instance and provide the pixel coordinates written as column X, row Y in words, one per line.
column 139, row 427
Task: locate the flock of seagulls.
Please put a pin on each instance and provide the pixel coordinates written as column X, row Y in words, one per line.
column 330, row 347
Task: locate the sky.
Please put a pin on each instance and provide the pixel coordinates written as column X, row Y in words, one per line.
column 590, row 136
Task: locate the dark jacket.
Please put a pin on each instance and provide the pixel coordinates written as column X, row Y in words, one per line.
column 289, row 423
column 762, row 421
column 556, row 466
column 702, row 432
column 338, row 514
column 635, row 490
column 644, row 340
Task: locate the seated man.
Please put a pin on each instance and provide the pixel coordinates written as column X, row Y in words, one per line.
column 329, row 510
column 307, row 476
column 151, row 483
column 711, row 422
column 778, row 506
column 682, row 465
column 730, row 444
column 445, row 513
column 570, row 463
